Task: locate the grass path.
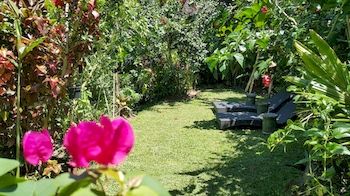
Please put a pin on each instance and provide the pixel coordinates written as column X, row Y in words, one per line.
column 178, row 144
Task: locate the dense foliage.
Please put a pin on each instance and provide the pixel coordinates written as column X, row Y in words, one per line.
column 256, row 40
column 156, row 48
column 39, row 58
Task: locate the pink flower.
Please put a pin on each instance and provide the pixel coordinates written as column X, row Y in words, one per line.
column 37, row 147
column 107, row 142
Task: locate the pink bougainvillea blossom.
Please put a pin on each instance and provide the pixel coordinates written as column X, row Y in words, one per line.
column 107, row 142
column 37, row 147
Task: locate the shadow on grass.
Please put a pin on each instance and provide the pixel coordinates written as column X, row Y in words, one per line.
column 249, row 168
column 149, row 106
column 203, row 125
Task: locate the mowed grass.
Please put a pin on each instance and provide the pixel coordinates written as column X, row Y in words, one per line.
column 178, row 144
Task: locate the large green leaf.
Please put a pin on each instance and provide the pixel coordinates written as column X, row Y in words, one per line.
column 7, row 165
column 64, row 184
column 31, row 188
column 8, row 180
column 330, row 91
column 337, row 149
column 30, row 47
column 341, row 130
column 20, row 189
column 75, row 186
column 323, row 72
column 331, row 60
column 239, row 58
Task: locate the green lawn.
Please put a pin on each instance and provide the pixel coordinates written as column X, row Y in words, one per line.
column 178, row 144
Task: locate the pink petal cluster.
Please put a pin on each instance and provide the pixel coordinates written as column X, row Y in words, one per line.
column 107, row 142
column 37, row 147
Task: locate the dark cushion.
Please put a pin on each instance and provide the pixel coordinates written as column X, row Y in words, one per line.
column 287, row 111
column 228, row 120
column 276, row 101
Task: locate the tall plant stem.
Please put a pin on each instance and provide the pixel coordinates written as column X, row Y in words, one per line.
column 250, row 83
column 333, row 26
column 114, row 93
column 335, row 21
column 294, row 22
column 18, row 119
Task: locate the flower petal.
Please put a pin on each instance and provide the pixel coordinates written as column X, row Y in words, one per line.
column 37, row 147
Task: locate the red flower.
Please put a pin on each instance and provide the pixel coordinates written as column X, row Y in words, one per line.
column 266, row 80
column 58, row 3
column 264, row 9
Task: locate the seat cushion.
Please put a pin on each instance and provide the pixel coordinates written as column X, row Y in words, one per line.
column 276, row 101
column 229, row 120
column 224, row 106
column 287, row 111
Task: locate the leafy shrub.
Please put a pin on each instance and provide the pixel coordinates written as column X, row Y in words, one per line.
column 39, row 43
column 156, row 47
column 324, row 119
column 281, row 22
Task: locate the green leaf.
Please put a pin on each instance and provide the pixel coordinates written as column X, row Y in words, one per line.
column 263, row 43
column 10, row 185
column 260, row 20
column 7, row 165
column 251, row 44
column 329, row 173
column 75, row 186
column 141, row 191
column 296, row 128
column 87, row 191
column 50, row 7
column 30, row 47
column 46, row 187
column 118, row 176
column 302, row 161
column 239, row 58
column 337, row 149
column 341, row 132
column 223, row 67
column 149, row 187
column 8, row 180
column 24, row 188
column 14, row 8
column 339, row 73
column 314, row 132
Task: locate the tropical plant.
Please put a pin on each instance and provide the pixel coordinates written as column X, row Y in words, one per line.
column 39, row 56
column 324, row 125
